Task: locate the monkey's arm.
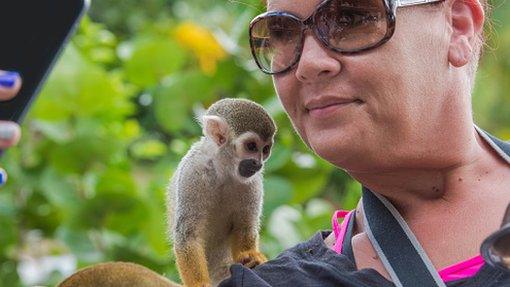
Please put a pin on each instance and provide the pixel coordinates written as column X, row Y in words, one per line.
column 245, row 247
column 187, row 229
column 191, row 262
column 245, row 233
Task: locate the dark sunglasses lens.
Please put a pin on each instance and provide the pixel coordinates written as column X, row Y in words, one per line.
column 275, row 41
column 352, row 25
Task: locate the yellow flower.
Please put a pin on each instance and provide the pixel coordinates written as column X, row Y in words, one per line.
column 202, row 43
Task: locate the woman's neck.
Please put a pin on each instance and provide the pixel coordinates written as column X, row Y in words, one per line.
column 450, row 211
column 416, row 191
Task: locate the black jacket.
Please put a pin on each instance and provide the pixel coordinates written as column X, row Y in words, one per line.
column 312, row 263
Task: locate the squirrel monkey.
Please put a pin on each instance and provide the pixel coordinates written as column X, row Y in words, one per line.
column 116, row 274
column 214, row 203
column 215, row 195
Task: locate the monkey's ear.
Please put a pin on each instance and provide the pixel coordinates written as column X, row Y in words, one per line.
column 216, row 129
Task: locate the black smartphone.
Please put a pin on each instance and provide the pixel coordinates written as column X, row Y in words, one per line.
column 34, row 33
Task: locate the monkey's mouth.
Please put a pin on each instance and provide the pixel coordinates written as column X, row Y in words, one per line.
column 245, row 173
column 248, row 168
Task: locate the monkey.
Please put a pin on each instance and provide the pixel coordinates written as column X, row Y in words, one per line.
column 214, row 198
column 116, row 274
column 214, row 202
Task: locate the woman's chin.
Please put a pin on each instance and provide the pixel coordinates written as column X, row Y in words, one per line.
column 341, row 145
column 337, row 152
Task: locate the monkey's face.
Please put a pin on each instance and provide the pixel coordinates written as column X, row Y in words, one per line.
column 251, row 152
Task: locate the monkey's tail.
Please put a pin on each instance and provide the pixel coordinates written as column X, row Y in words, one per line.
column 117, row 274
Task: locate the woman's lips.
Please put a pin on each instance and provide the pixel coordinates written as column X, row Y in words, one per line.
column 326, row 111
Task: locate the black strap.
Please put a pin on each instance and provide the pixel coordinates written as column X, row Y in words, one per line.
column 395, row 243
column 504, row 146
column 407, row 263
column 501, row 147
column 347, row 243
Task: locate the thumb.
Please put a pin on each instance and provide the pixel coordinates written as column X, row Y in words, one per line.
column 9, row 134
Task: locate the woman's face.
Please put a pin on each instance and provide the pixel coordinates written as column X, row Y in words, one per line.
column 393, row 104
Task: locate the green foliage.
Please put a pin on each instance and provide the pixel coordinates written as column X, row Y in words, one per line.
column 116, row 115
column 491, row 100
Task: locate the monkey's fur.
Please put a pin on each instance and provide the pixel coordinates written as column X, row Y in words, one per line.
column 213, row 210
column 215, row 195
column 116, row 274
column 243, row 116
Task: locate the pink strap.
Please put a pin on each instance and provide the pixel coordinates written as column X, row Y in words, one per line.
column 340, row 230
column 464, row 269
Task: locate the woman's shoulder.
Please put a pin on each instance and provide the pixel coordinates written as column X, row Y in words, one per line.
column 310, row 263
column 313, row 263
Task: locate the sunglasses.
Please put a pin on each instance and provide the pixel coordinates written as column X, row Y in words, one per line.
column 346, row 26
column 496, row 248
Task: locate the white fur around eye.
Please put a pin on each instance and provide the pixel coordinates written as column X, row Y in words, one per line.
column 243, row 140
column 247, row 137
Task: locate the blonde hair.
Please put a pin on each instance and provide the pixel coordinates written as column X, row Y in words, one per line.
column 481, row 43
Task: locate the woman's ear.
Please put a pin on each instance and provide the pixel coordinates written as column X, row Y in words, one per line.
column 216, row 129
column 466, row 20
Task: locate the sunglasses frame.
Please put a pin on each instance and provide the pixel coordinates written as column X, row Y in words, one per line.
column 309, row 23
column 487, row 244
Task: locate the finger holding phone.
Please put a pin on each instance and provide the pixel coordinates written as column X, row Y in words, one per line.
column 31, row 52
column 10, row 132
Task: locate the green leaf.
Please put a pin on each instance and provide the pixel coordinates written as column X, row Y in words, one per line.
column 153, row 60
column 308, row 185
column 59, row 132
column 9, row 234
column 280, row 156
column 57, row 190
column 116, row 181
column 148, row 149
column 79, row 243
column 352, row 195
column 80, row 88
column 282, row 225
column 277, row 191
column 174, row 100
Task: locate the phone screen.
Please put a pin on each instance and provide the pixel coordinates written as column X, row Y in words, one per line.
column 33, row 34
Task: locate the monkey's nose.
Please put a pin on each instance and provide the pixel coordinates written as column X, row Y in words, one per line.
column 255, row 164
column 249, row 167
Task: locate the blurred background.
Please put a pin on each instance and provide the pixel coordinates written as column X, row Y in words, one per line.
column 87, row 182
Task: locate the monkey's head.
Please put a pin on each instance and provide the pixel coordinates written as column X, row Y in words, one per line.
column 243, row 131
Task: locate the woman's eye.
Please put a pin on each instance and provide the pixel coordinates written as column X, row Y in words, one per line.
column 281, row 35
column 345, row 20
column 251, row 146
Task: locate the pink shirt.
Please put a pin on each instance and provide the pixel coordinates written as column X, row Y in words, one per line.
column 453, row 272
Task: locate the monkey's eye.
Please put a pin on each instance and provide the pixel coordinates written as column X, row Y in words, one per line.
column 251, row 146
column 266, row 149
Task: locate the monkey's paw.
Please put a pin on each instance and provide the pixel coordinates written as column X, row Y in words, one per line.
column 251, row 258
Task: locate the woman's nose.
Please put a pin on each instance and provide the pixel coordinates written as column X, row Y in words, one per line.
column 316, row 62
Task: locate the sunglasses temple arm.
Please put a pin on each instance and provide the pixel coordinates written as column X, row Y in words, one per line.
column 506, row 218
column 403, row 3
